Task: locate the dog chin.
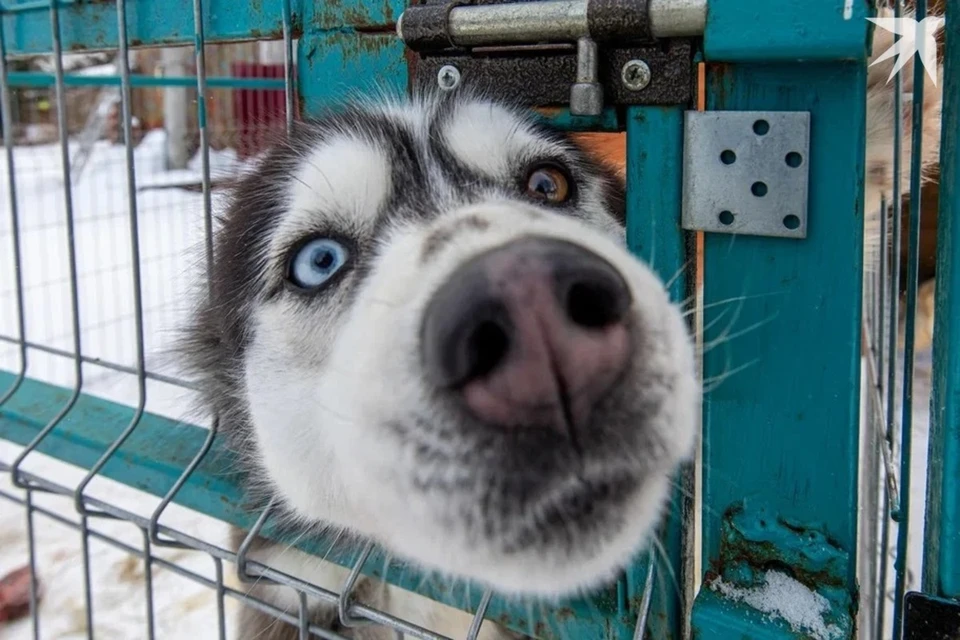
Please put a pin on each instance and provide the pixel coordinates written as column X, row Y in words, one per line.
column 436, row 543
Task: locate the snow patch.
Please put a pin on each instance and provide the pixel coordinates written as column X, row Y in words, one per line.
column 782, row 597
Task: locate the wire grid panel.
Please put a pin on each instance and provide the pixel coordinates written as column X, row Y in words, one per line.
column 41, row 279
column 907, row 432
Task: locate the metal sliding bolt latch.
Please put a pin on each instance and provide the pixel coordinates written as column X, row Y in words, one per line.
column 445, row 31
column 586, row 94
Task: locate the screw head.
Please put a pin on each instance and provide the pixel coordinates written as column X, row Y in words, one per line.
column 448, row 77
column 635, row 75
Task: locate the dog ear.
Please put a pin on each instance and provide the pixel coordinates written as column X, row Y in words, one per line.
column 881, row 130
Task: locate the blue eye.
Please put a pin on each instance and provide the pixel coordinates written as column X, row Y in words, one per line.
column 316, row 262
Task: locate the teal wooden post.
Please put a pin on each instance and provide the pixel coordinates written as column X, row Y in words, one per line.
column 941, row 562
column 654, row 181
column 781, row 434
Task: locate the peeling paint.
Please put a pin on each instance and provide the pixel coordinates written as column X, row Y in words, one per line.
column 756, row 542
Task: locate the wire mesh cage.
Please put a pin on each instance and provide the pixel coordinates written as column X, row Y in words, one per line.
column 124, row 123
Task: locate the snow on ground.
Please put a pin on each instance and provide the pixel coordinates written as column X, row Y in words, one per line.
column 171, row 231
column 784, row 598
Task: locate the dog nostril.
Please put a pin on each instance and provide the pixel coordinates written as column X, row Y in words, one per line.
column 487, row 346
column 595, row 305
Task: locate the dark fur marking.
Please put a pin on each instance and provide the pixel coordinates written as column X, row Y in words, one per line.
column 442, row 236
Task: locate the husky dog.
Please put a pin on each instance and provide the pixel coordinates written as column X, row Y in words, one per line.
column 425, row 329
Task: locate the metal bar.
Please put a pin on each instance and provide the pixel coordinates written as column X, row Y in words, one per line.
column 153, row 528
column 941, row 549
column 909, row 329
column 7, row 116
column 644, row 615
column 891, row 511
column 874, row 447
column 87, row 581
column 288, row 86
column 880, row 317
column 892, row 401
column 304, row 618
column 106, row 364
column 221, row 613
column 518, row 23
column 242, row 574
column 474, row 631
column 877, row 424
column 677, row 18
column 71, row 250
column 38, row 79
column 343, row 602
column 148, row 572
column 871, row 446
column 134, row 231
column 539, row 21
column 201, row 81
column 32, row 553
column 201, row 58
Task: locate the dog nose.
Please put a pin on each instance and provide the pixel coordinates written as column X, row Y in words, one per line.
column 530, row 334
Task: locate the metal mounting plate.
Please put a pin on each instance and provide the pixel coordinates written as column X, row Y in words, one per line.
column 745, row 172
column 929, row 618
column 544, row 78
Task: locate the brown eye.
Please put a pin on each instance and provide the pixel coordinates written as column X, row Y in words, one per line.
column 548, row 184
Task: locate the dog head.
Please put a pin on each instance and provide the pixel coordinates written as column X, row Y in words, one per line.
column 424, row 327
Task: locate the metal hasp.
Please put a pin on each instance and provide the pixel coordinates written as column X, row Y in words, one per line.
column 581, row 53
column 929, row 618
column 745, row 172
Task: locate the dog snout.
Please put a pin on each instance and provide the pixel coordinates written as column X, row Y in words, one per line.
column 530, row 334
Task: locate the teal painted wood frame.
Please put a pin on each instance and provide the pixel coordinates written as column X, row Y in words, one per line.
column 785, row 30
column 941, row 575
column 781, row 434
column 654, row 197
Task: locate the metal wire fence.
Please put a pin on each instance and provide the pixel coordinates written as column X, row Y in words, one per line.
column 898, row 353
column 99, row 241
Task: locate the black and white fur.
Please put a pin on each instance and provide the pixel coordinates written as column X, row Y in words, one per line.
column 324, row 394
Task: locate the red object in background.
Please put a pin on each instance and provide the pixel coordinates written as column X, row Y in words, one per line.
column 15, row 595
column 259, row 114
